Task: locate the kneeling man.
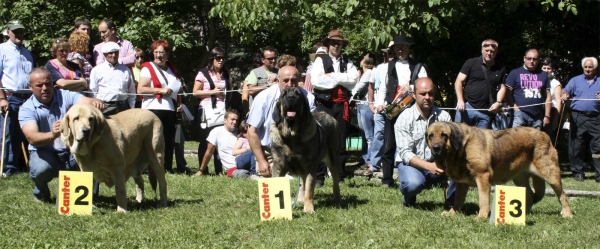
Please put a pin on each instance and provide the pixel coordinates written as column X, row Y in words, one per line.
column 40, row 118
column 414, row 159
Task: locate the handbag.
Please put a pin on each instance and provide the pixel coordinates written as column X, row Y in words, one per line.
column 214, row 114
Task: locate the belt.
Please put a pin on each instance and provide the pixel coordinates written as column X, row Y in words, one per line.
column 588, row 114
column 18, row 95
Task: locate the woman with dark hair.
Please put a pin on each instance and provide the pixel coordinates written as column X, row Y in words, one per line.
column 556, row 91
column 158, row 80
column 257, row 60
column 65, row 74
column 209, row 87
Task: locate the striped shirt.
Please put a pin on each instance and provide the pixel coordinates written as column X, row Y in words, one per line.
column 410, row 130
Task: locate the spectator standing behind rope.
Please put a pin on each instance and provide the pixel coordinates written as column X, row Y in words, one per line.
column 555, row 91
column 156, row 78
column 529, row 85
column 83, row 25
column 483, row 80
column 15, row 65
column 79, row 43
column 363, row 112
column 220, row 77
column 108, row 33
column 65, row 74
column 585, row 121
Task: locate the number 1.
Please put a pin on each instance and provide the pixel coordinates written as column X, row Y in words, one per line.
column 280, row 196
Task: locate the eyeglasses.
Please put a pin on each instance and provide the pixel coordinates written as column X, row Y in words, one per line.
column 335, row 42
column 489, row 45
column 401, row 46
column 532, row 59
column 271, row 58
column 219, row 58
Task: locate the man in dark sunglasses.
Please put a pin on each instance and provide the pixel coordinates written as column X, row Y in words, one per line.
column 480, row 85
column 333, row 77
column 262, row 77
column 529, row 89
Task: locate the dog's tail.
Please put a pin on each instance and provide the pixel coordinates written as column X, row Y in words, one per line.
column 539, row 188
column 152, row 178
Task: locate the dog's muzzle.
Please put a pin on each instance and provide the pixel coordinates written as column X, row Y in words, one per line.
column 438, row 151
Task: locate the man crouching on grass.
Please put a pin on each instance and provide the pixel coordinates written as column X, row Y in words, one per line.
column 40, row 118
column 416, row 168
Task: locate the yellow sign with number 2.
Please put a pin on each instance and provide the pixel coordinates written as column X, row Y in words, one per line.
column 74, row 192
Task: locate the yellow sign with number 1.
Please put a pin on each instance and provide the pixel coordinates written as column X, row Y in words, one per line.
column 274, row 198
column 75, row 192
column 509, row 205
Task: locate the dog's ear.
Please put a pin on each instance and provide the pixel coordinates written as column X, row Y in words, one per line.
column 456, row 137
column 277, row 111
column 99, row 121
column 65, row 130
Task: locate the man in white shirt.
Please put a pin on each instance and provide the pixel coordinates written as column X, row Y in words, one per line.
column 112, row 82
column 401, row 74
column 222, row 138
column 333, row 77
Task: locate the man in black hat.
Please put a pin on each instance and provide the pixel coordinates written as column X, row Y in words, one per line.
column 401, row 74
column 15, row 65
column 333, row 77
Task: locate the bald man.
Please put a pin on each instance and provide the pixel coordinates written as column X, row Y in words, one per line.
column 416, row 167
column 260, row 117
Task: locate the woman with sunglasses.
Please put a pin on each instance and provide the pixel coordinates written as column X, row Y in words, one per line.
column 65, row 74
column 211, row 97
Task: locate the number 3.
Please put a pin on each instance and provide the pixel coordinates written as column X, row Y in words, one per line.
column 518, row 205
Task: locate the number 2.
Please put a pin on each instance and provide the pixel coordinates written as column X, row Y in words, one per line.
column 280, row 196
column 79, row 201
column 518, row 205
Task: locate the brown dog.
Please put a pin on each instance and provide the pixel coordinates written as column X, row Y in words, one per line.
column 472, row 156
column 302, row 140
column 116, row 148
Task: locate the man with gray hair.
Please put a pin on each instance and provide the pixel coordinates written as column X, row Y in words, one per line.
column 585, row 124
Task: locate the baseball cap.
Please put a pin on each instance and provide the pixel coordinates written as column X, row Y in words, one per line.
column 14, row 24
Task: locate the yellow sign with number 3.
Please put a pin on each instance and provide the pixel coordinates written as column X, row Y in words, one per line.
column 74, row 192
column 274, row 198
column 509, row 205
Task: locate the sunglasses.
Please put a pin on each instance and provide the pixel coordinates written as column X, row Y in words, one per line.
column 490, row 45
column 335, row 43
column 271, row 58
column 219, row 58
column 532, row 59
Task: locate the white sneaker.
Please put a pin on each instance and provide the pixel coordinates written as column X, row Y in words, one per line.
column 255, row 177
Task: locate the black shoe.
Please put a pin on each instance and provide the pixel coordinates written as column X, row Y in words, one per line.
column 579, row 177
column 185, row 170
column 319, row 183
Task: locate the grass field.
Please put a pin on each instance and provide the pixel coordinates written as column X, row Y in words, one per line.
column 219, row 212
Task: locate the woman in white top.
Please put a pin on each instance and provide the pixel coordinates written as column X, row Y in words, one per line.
column 202, row 90
column 555, row 90
column 158, row 80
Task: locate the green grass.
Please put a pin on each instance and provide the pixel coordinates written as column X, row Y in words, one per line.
column 220, row 212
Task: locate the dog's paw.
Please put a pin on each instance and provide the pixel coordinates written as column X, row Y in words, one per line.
column 121, row 210
column 449, row 212
column 566, row 214
column 309, row 210
column 139, row 199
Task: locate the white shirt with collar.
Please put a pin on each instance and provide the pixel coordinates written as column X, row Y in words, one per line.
column 112, row 83
column 403, row 74
column 323, row 82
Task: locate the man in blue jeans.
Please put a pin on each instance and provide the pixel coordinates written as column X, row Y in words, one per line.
column 483, row 81
column 40, row 117
column 416, row 167
column 530, row 95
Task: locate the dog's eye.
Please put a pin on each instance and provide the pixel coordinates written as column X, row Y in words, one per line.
column 76, row 118
column 90, row 119
column 445, row 136
column 430, row 136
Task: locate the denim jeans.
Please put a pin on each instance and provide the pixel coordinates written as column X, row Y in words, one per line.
column 246, row 161
column 365, row 123
column 413, row 180
column 13, row 136
column 44, row 166
column 480, row 119
column 522, row 119
column 377, row 142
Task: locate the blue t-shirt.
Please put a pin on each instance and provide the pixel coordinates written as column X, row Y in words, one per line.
column 34, row 111
column 529, row 88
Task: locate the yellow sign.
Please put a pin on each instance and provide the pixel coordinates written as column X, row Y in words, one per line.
column 75, row 192
column 274, row 198
column 509, row 205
